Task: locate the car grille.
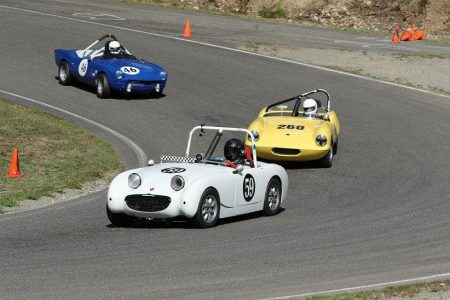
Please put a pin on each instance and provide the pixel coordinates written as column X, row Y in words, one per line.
column 148, row 202
column 285, row 151
column 143, row 83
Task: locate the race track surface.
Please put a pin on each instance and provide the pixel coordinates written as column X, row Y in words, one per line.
column 380, row 214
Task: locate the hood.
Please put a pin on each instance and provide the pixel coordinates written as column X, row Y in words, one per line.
column 296, row 127
column 156, row 179
column 288, row 131
column 137, row 68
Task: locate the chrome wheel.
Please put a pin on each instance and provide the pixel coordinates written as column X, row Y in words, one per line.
column 272, row 201
column 273, row 198
column 209, row 209
column 103, row 90
column 100, row 86
column 63, row 73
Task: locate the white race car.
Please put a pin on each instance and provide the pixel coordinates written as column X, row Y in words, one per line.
column 202, row 188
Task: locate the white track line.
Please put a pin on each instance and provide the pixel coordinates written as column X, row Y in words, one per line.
column 364, row 287
column 229, row 49
column 142, row 157
column 141, row 154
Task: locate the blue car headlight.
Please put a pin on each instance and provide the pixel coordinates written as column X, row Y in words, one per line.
column 119, row 74
column 163, row 73
column 134, row 180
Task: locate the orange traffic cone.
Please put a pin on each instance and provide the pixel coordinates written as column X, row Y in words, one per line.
column 187, row 29
column 406, row 36
column 395, row 37
column 419, row 35
column 14, row 166
column 413, row 30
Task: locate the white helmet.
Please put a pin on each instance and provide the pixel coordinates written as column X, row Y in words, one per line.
column 310, row 107
column 114, row 47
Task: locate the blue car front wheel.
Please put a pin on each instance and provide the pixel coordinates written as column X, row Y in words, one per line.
column 103, row 90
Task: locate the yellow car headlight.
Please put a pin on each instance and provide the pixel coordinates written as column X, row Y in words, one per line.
column 255, row 135
column 321, row 140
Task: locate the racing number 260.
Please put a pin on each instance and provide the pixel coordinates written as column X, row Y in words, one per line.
column 290, row 126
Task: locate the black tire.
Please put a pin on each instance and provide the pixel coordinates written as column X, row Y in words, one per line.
column 335, row 147
column 64, row 76
column 103, row 90
column 272, row 200
column 327, row 160
column 119, row 219
column 208, row 209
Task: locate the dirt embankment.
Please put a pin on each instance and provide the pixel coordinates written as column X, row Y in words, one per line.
column 433, row 16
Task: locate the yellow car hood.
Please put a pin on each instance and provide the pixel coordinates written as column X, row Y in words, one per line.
column 285, row 130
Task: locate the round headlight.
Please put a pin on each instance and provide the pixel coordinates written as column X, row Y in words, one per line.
column 163, row 73
column 321, row 140
column 177, row 182
column 134, row 181
column 119, row 74
column 255, row 135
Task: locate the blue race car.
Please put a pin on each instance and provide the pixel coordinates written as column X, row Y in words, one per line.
column 110, row 67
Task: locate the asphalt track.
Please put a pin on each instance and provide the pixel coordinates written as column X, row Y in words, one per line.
column 380, row 214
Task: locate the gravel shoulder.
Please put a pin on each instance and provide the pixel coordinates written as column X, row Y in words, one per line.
column 424, row 71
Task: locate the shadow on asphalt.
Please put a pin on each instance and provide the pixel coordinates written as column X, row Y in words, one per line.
column 185, row 223
column 117, row 95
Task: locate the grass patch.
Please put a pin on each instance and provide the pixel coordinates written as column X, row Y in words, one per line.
column 346, row 70
column 253, row 46
column 405, row 56
column 402, row 291
column 54, row 155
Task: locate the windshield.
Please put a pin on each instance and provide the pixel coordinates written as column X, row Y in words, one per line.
column 220, row 145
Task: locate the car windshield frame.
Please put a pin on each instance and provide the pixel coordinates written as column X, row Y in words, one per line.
column 298, row 100
column 216, row 139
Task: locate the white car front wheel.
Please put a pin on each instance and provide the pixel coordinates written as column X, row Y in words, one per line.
column 119, row 219
column 208, row 209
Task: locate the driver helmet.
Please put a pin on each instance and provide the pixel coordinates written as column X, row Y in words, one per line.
column 114, row 47
column 234, row 150
column 310, row 107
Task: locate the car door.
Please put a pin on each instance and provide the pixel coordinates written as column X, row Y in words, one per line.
column 88, row 70
column 249, row 189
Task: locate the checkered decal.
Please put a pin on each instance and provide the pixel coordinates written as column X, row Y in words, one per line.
column 174, row 158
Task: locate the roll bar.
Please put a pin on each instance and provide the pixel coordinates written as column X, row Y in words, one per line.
column 98, row 40
column 220, row 130
column 299, row 97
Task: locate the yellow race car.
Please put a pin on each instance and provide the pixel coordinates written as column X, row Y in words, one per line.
column 297, row 129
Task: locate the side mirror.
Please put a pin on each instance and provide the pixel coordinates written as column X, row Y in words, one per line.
column 151, row 162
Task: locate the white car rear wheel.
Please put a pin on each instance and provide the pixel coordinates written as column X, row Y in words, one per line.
column 272, row 201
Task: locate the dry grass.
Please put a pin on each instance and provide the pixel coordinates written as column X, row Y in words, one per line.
column 54, row 155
